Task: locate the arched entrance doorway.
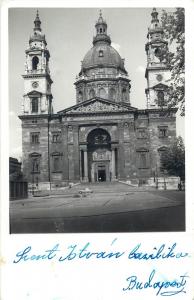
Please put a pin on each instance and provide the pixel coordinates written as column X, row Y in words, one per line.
column 99, row 156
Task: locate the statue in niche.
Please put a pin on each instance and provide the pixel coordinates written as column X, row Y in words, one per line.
column 101, row 139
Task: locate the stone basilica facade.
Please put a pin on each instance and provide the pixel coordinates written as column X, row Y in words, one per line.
column 102, row 137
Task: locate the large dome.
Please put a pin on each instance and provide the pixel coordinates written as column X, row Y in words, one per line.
column 102, row 72
column 102, row 55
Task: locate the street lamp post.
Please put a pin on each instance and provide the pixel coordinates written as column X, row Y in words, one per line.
column 165, row 179
column 49, row 168
column 156, row 176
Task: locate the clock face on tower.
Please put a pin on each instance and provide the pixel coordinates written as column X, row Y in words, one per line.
column 159, row 77
column 35, row 84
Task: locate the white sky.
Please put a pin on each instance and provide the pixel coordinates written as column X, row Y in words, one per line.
column 69, row 33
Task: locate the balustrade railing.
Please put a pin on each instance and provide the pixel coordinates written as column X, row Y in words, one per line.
column 101, row 76
column 38, row 71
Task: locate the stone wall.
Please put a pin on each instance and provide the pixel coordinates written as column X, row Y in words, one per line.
column 124, row 132
column 29, row 126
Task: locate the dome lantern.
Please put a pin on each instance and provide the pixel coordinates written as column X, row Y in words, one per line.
column 101, row 31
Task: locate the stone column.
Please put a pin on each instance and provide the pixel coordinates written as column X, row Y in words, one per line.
column 76, row 153
column 113, row 165
column 85, row 165
column 65, row 152
column 80, row 164
column 121, row 153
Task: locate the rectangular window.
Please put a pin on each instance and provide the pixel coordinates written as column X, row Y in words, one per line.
column 35, row 137
column 143, row 159
column 56, row 137
column 142, row 162
column 35, row 165
column 141, row 133
column 163, row 132
column 56, row 163
column 161, row 153
column 34, row 103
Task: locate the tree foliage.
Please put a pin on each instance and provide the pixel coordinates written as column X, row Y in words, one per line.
column 173, row 159
column 174, row 30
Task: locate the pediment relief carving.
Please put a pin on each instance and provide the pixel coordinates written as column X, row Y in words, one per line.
column 34, row 93
column 98, row 106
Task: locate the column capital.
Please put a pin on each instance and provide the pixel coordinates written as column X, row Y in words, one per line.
column 113, row 147
column 75, row 126
column 83, row 147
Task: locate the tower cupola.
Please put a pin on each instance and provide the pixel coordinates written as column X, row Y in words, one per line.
column 37, row 38
column 155, row 31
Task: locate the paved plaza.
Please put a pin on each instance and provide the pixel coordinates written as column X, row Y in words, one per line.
column 112, row 207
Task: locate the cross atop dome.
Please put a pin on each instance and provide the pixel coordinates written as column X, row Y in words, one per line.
column 100, row 19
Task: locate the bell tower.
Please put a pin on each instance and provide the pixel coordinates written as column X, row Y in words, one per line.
column 157, row 71
column 37, row 98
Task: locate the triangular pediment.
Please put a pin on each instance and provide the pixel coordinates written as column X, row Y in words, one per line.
column 163, row 148
column 160, row 86
column 34, row 93
column 95, row 105
column 34, row 154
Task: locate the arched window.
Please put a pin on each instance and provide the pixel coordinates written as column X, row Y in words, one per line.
column 91, row 94
column 101, row 53
column 35, row 62
column 112, row 94
column 80, row 96
column 98, row 137
column 161, row 98
column 100, row 30
column 102, row 93
column 124, row 94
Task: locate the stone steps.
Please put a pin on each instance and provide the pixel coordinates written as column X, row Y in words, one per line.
column 99, row 187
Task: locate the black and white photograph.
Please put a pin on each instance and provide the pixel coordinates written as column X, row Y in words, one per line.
column 96, row 119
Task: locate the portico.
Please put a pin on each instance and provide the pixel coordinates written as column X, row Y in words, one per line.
column 97, row 157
